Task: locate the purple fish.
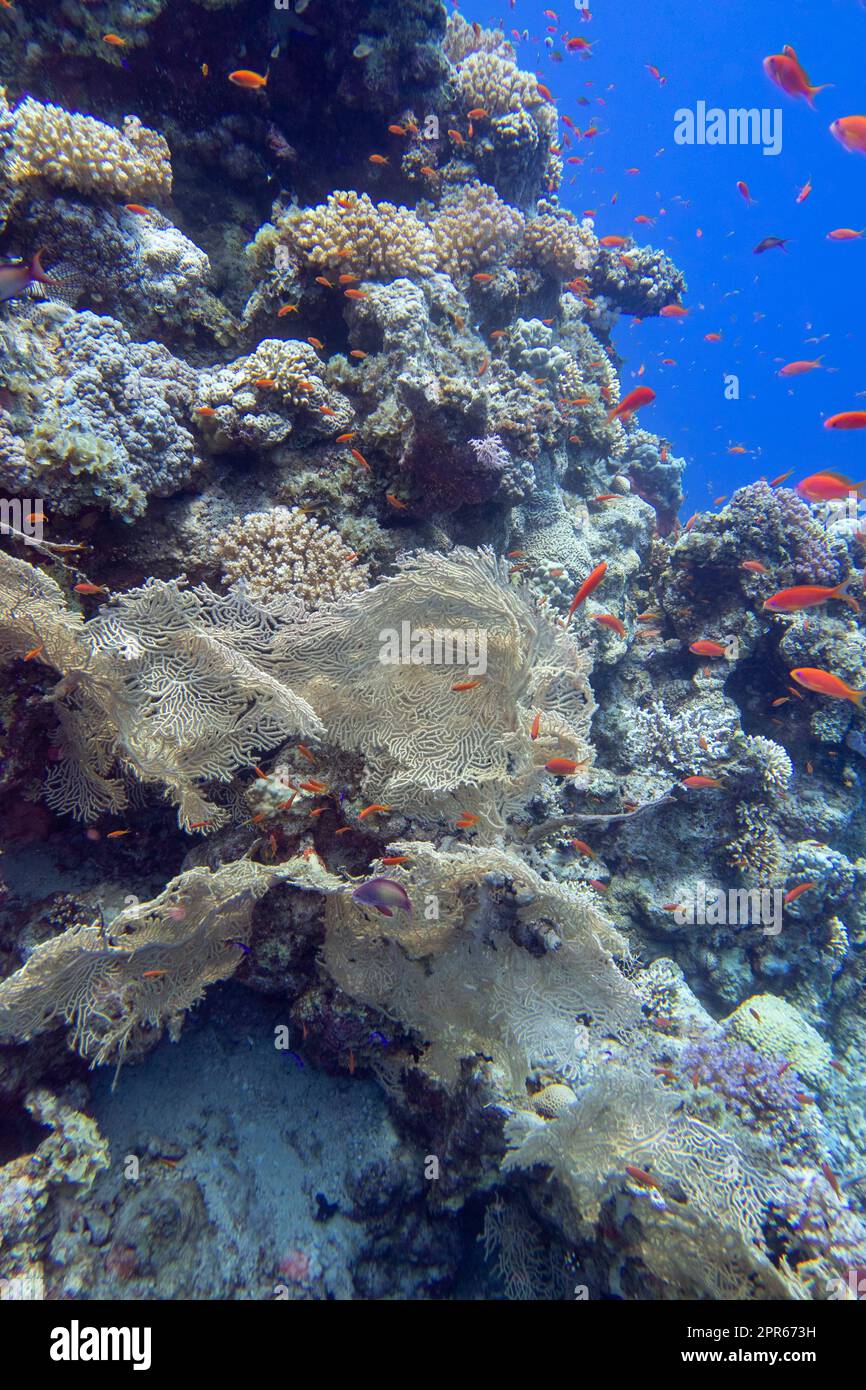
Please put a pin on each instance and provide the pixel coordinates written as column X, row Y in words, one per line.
column 15, row 276
column 383, row 894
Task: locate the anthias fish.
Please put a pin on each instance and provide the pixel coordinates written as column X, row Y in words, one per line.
column 384, row 895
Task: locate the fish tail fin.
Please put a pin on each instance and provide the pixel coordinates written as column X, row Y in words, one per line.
column 36, row 271
column 812, row 92
column 841, row 591
column 857, row 697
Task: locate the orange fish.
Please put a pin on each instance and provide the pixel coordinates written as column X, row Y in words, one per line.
column 396, row 130
column 707, row 648
column 844, row 234
column 34, row 652
column 828, row 487
column 610, row 620
column 712, row 337
column 698, row 783
column 466, row 685
column 611, row 241
column 582, row 848
column 392, row 859
column 467, row 818
column 561, row 767
column 317, row 344
column 114, row 40
column 809, row 596
column 357, row 352
column 376, row 808
column 785, row 70
column 356, row 294
column 850, row 131
column 635, row 400
column 359, row 458
column 394, row 501
column 804, row 191
column 799, row 368
column 782, row 478
column 323, row 280
column 673, row 311
column 116, row 834
column 754, row 567
column 378, row 158
column 743, row 188
column 641, row 1176
column 137, row 209
column 89, row 589
column 251, row 81
column 794, row 893
column 536, row 725
column 847, row 420
column 589, row 585
column 287, row 309
column 825, row 683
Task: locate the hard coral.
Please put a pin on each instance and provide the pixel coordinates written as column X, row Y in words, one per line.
column 283, row 551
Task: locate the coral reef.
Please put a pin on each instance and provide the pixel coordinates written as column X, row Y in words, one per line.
column 360, row 678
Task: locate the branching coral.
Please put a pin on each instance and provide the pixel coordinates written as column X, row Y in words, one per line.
column 283, row 551
column 559, row 245
column 79, row 152
column 350, row 233
column 475, row 229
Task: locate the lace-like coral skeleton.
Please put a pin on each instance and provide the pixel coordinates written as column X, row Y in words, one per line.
column 140, row 977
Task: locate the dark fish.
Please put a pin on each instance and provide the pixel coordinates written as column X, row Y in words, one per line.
column 17, row 276
column 770, row 243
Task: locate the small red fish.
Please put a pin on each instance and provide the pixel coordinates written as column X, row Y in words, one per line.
column 706, row 648
column 698, row 783
column 562, row 767
column 250, row 81
column 847, row 420
column 802, row 596
column 794, row 893
column 589, row 585
column 825, row 683
column 612, row 621
column 635, row 400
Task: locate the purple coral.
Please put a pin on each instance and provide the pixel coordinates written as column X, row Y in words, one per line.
column 777, row 520
column 757, row 1088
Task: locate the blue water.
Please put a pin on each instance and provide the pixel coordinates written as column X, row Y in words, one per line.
column 770, row 309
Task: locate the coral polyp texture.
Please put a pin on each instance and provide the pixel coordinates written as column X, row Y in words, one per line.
column 373, row 730
column 81, row 153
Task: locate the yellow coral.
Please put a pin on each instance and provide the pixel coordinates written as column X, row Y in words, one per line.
column 73, row 151
column 475, row 229
column 559, row 245
column 351, row 233
column 282, row 551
